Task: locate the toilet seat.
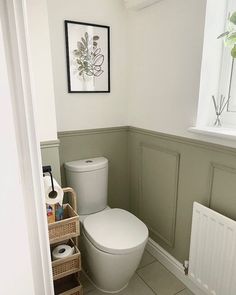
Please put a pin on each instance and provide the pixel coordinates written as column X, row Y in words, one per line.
column 115, row 231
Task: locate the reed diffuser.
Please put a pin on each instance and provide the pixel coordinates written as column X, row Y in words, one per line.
column 219, row 108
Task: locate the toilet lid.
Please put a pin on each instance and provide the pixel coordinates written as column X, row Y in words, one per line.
column 115, row 231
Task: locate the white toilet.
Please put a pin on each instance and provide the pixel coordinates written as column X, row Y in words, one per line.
column 113, row 239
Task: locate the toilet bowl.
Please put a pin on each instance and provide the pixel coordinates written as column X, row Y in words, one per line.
column 113, row 245
column 113, row 240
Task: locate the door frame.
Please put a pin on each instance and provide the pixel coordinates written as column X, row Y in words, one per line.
column 15, row 36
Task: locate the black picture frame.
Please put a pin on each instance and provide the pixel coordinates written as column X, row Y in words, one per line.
column 88, row 66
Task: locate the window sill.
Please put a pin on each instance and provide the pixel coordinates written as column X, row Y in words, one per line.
column 220, row 132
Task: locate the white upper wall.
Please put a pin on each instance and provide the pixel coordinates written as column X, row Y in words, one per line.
column 156, row 56
column 165, row 58
column 165, row 51
column 41, row 66
column 84, row 111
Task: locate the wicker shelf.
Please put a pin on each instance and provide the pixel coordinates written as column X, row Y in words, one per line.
column 67, row 266
column 64, row 229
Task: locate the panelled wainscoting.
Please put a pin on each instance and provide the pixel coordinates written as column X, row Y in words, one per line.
column 158, row 177
column 167, row 174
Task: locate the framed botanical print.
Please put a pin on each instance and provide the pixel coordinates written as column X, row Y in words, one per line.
column 88, row 57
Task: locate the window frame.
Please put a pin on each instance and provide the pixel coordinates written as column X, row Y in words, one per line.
column 228, row 65
column 213, row 68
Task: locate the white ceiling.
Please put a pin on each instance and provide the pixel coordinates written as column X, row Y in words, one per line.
column 139, row 4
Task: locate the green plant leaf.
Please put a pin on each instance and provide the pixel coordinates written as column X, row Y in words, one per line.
column 223, row 35
column 84, row 41
column 89, row 73
column 233, row 18
column 233, row 52
column 76, row 52
column 230, row 40
column 80, row 45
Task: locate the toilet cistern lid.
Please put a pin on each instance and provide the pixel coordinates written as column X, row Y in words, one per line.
column 85, row 165
column 115, row 231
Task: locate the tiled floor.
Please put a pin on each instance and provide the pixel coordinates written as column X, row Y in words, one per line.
column 151, row 278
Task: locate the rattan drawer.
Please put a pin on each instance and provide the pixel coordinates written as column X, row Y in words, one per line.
column 69, row 285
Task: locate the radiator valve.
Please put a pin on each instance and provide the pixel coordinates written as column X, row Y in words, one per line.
column 186, row 266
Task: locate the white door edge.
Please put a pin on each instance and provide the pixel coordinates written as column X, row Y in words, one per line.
column 12, row 16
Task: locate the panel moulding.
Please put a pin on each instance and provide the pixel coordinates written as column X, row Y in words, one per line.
column 213, row 168
column 170, row 242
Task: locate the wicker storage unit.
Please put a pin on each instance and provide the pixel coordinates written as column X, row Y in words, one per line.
column 66, row 270
column 64, row 229
column 66, row 266
column 69, row 285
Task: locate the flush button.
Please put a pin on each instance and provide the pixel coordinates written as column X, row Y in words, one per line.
column 89, row 161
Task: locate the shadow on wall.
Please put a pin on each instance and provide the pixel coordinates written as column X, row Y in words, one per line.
column 110, row 143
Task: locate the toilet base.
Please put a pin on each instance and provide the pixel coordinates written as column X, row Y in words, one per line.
column 109, row 273
column 102, row 290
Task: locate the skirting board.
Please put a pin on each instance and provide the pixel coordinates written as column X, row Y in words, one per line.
column 173, row 265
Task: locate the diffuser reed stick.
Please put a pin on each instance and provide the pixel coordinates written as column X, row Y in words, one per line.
column 219, row 108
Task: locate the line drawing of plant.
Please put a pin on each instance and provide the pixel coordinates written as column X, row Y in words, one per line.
column 88, row 58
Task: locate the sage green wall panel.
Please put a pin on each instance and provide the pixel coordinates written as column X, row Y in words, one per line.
column 223, row 190
column 194, row 183
column 50, row 156
column 158, row 191
column 110, row 143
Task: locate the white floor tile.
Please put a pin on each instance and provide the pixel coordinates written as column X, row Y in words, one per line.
column 146, row 259
column 136, row 287
column 160, row 279
column 87, row 286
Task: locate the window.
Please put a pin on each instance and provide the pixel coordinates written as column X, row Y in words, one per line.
column 218, row 71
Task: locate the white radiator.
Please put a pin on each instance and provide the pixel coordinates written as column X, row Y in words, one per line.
column 212, row 262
